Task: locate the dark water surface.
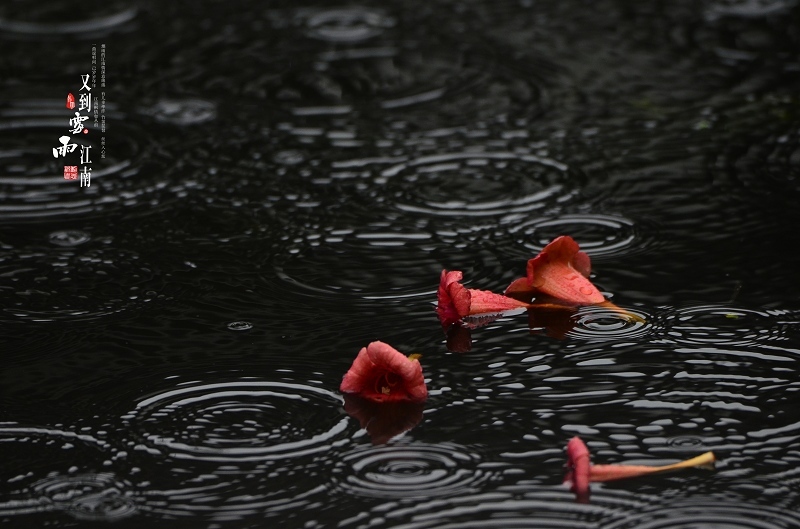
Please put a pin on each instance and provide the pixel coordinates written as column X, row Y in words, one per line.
column 283, row 184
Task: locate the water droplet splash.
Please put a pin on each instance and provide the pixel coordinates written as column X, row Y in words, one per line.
column 240, row 326
column 348, row 25
column 69, row 237
column 414, row 471
column 240, row 422
column 182, row 112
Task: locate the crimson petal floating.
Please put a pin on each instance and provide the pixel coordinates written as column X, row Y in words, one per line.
column 580, row 471
column 383, row 374
column 560, row 270
column 456, row 302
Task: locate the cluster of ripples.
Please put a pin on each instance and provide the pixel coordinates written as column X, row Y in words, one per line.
column 284, row 184
column 412, row 472
column 241, row 408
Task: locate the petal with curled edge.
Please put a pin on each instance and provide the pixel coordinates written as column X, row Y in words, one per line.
column 578, row 464
column 484, row 302
column 560, row 271
column 374, row 364
column 453, row 300
column 456, row 301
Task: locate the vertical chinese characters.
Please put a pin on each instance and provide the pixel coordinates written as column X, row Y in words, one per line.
column 84, row 94
column 84, row 106
column 76, row 126
column 103, row 100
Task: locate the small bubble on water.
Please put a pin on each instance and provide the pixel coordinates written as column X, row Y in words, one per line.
column 240, row 326
column 685, row 441
column 69, row 237
column 183, row 112
column 289, row 157
column 348, row 24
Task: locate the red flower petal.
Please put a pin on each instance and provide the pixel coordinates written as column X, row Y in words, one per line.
column 559, row 271
column 581, row 262
column 383, row 374
column 578, row 465
column 580, row 471
column 483, row 301
column 455, row 301
column 520, row 289
column 453, row 298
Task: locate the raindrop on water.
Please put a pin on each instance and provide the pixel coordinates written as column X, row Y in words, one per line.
column 347, row 25
column 183, row 112
column 69, row 237
column 289, row 157
column 240, row 326
column 214, row 422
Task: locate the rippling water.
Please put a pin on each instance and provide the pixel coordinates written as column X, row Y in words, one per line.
column 284, row 183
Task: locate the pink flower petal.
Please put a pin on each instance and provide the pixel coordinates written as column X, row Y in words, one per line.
column 456, row 302
column 580, row 471
column 383, row 374
column 520, row 289
column 578, row 464
column 559, row 271
column 483, row 301
column 582, row 263
column 453, row 298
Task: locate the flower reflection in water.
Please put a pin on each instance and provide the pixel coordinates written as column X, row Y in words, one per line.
column 383, row 420
column 552, row 320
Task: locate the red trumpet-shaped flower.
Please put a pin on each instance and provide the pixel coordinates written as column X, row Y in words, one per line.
column 560, row 271
column 383, row 374
column 580, row 472
column 455, row 301
column 578, row 468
